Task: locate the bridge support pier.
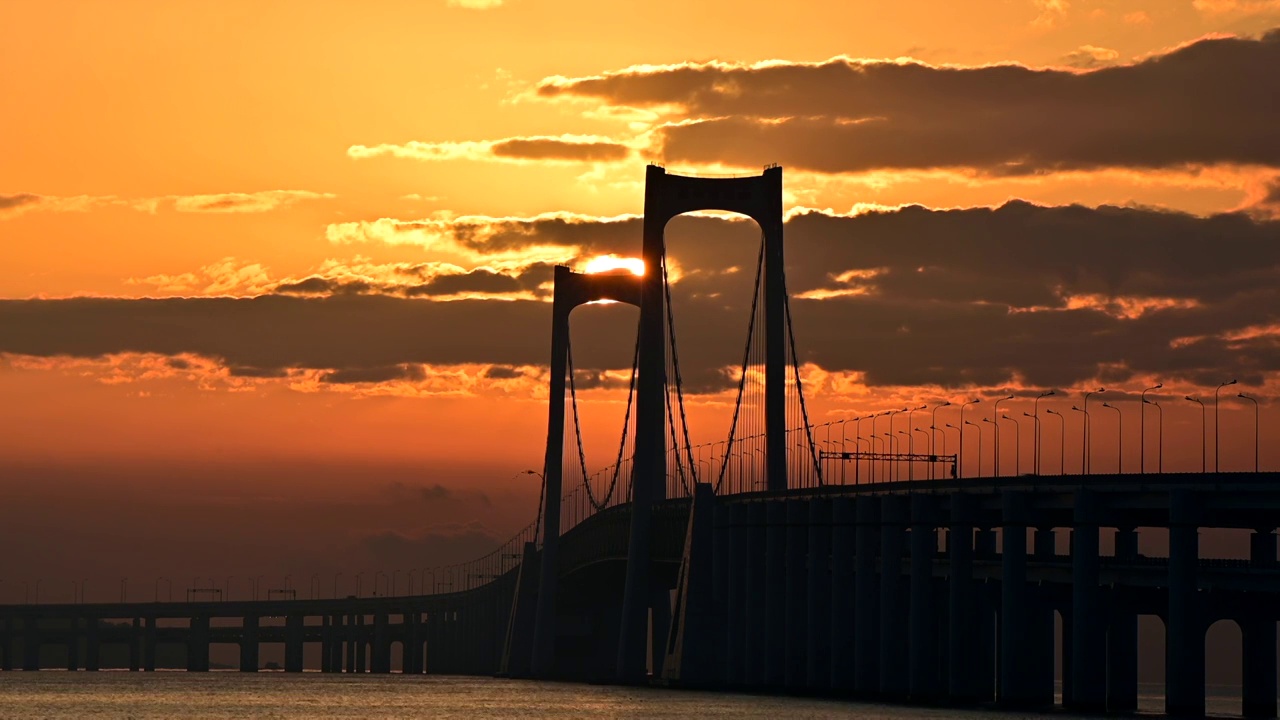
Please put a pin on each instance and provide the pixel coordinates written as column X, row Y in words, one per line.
column 1122, row 635
column 411, row 658
column 249, row 644
column 960, row 601
column 1088, row 625
column 796, row 627
column 1041, row 628
column 518, row 648
column 30, row 644
column 198, row 644
column 293, row 642
column 986, row 607
column 843, row 607
column 721, row 550
column 775, row 593
column 755, row 646
column 1259, row 635
column 740, row 592
column 866, row 601
column 894, row 511
column 818, row 596
column 925, row 671
column 73, row 644
column 92, row 645
column 358, row 643
column 381, row 660
column 1184, row 643
column 135, row 646
column 1016, row 648
column 149, row 641
column 690, row 642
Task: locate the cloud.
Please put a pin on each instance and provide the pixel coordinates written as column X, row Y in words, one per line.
column 951, row 298
column 476, row 4
column 561, row 149
column 14, row 202
column 242, row 202
column 435, row 545
column 1205, row 103
column 1051, row 12
column 1090, row 56
column 1242, row 7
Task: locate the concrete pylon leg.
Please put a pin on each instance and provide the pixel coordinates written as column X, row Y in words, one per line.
column 866, row 601
column 1122, row 635
column 922, row 628
column 1259, row 636
column 797, row 584
column 1088, row 624
column 843, row 524
column 960, row 601
column 755, row 595
column 1184, row 643
column 1015, row 658
column 894, row 515
column 775, row 598
column 738, row 631
column 249, row 644
column 818, row 596
column 1040, row 628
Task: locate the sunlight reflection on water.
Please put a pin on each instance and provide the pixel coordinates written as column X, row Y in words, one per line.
column 313, row 696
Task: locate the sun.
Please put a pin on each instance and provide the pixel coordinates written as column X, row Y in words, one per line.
column 606, row 263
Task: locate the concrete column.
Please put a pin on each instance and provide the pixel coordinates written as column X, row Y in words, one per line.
column 922, row 632
column 755, row 594
column 326, row 644
column 1088, row 621
column 718, row 669
column 149, row 641
column 135, row 646
column 1016, row 659
column 866, row 601
column 775, row 598
column 358, row 642
column 1040, row 628
column 6, row 645
column 352, row 640
column 738, row 631
column 411, row 662
column 294, row 637
column 797, row 603
column 1122, row 635
column 31, row 640
column 249, row 648
column 73, row 645
column 198, row 644
column 894, row 515
column 659, row 628
column 92, row 645
column 818, row 596
column 843, row 524
column 1184, row 640
column 381, row 660
column 960, row 601
column 1259, row 635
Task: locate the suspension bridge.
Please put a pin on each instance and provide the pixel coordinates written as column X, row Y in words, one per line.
column 775, row 565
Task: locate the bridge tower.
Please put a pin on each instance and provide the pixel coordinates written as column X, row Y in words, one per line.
column 571, row 290
column 666, row 196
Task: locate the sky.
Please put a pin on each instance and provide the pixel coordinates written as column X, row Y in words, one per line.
column 275, row 278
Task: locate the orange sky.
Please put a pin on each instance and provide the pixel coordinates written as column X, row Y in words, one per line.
column 392, row 180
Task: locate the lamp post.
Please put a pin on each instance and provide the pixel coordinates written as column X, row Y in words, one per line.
column 892, row 444
column 933, row 430
column 1062, row 442
column 1017, row 445
column 1119, row 438
column 933, row 427
column 1088, row 435
column 1159, row 435
column 1084, row 441
column 1202, row 430
column 960, row 452
column 928, row 435
column 911, row 450
column 335, row 584
column 893, row 468
column 995, row 446
column 1036, row 414
column 1217, row 422
column 970, row 422
column 1035, row 437
column 844, row 465
column 1142, row 428
column 995, row 418
column 911, row 464
column 955, row 468
column 1255, row 428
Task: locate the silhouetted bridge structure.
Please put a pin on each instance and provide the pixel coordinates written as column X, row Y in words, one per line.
column 769, row 578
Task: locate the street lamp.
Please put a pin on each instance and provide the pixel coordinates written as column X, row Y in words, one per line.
column 1142, row 428
column 892, row 444
column 928, row 435
column 933, row 430
column 1088, row 436
column 1035, row 436
column 911, row 465
column 893, row 469
column 1084, row 442
column 911, row 450
column 1062, row 441
column 1202, row 441
column 1159, row 435
column 1036, row 414
column 995, row 414
column 970, row 422
column 1119, row 438
column 1017, row 444
column 1216, row 422
column 955, row 467
column 960, row 453
column 335, row 584
column 933, row 427
column 995, row 446
column 843, row 438
column 1255, row 428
